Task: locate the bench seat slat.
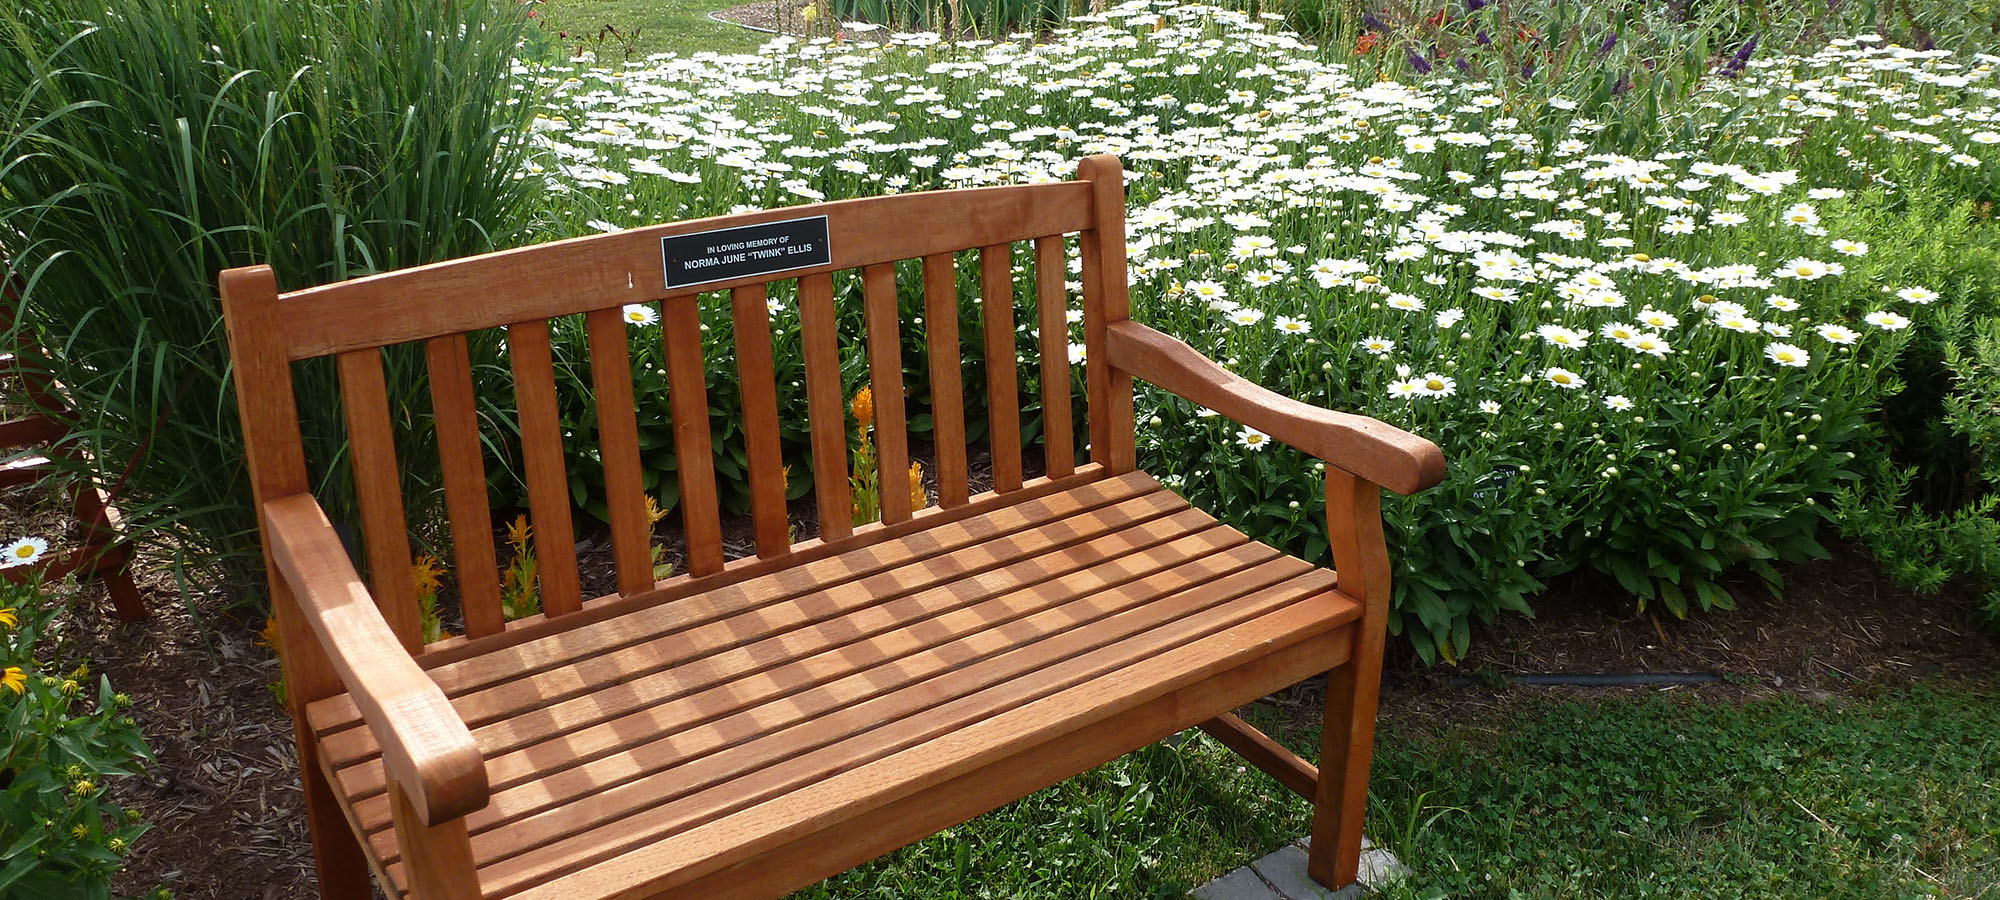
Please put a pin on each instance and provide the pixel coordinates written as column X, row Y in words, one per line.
column 505, row 712
column 678, row 611
column 725, row 729
column 641, row 774
column 515, row 748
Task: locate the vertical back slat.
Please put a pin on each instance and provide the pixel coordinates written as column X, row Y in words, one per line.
column 758, row 377
column 542, row 456
column 618, row 449
column 1003, row 393
column 947, row 381
column 885, row 377
column 454, row 409
column 1106, row 299
column 687, row 383
column 378, row 485
column 1052, row 303
column 825, row 412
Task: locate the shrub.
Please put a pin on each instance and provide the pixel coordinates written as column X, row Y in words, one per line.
column 61, row 835
column 146, row 145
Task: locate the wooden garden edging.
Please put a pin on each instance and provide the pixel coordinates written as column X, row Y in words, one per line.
column 758, row 724
column 102, row 551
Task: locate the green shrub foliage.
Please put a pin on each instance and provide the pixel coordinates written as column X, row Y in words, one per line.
column 63, row 738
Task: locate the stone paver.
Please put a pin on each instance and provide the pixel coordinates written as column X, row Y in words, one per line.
column 1281, row 875
column 1241, row 884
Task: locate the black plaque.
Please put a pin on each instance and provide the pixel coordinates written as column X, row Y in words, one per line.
column 745, row 251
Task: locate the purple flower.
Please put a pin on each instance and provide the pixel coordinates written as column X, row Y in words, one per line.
column 1371, row 23
column 1418, row 62
column 1463, row 66
column 1527, row 69
column 1742, row 58
column 1623, row 84
column 1474, row 5
column 1482, row 39
column 1609, row 43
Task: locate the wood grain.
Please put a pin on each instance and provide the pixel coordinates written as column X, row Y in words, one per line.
column 826, row 407
column 1003, row 392
column 618, row 449
column 610, row 270
column 885, row 378
column 425, row 746
column 545, row 469
column 378, row 486
column 1106, row 301
column 1268, row 755
column 1052, row 309
column 462, row 456
column 947, row 377
column 757, row 375
column 1347, row 738
column 694, row 454
column 1375, row 451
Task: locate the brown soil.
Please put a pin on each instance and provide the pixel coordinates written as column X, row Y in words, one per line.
column 224, row 799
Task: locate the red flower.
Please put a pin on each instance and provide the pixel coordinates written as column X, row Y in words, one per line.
column 1366, row 44
column 1438, row 18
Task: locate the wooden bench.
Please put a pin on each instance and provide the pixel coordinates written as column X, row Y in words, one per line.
column 29, row 445
column 757, row 724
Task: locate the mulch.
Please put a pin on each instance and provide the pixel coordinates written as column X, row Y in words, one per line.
column 224, row 799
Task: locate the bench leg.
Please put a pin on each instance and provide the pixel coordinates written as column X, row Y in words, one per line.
column 1347, row 739
column 437, row 859
column 343, row 870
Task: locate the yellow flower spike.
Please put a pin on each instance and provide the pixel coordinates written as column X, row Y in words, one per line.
column 918, row 499
column 14, row 680
column 8, row 617
column 809, row 13
column 519, row 530
column 864, row 407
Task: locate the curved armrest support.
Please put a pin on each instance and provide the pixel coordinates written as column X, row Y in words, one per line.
column 1383, row 454
column 426, row 747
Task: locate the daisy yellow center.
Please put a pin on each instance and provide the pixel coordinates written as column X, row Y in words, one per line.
column 1434, row 384
column 24, row 551
column 1804, row 270
column 1560, row 379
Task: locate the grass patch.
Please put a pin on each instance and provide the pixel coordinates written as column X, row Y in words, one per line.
column 648, row 26
column 1890, row 794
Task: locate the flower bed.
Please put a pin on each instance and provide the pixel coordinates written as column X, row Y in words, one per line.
column 1655, row 365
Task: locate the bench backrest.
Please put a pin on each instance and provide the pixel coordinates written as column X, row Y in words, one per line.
column 522, row 291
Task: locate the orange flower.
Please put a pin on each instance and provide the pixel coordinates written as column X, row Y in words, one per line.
column 918, row 499
column 1367, row 43
column 864, row 407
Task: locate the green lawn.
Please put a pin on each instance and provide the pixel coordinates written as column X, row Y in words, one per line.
column 650, row 26
column 1889, row 794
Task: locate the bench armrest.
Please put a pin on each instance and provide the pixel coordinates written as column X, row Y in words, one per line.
column 426, row 747
column 1372, row 450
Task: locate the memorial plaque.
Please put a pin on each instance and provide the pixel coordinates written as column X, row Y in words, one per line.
column 745, row 251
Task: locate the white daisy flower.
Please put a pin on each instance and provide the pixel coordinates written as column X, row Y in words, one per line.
column 638, row 314
column 23, row 551
column 1887, row 321
column 1563, row 378
column 1790, row 355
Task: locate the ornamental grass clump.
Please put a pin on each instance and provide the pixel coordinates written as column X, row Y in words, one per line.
column 1653, row 355
column 147, row 144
